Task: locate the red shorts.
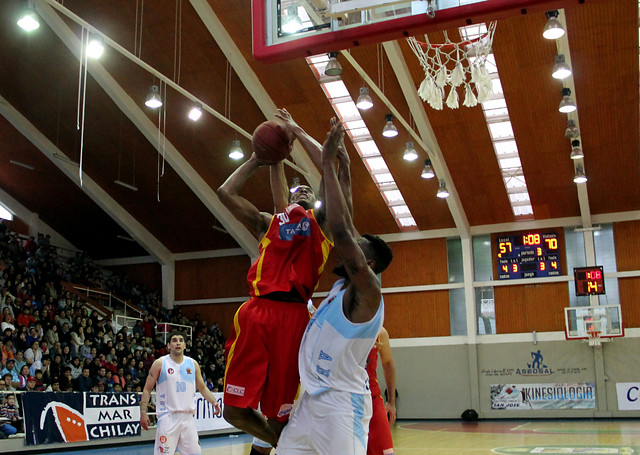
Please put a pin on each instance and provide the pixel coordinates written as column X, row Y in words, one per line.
column 380, row 442
column 262, row 356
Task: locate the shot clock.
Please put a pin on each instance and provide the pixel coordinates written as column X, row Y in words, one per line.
column 589, row 280
column 528, row 255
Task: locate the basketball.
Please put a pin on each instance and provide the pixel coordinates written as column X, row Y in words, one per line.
column 271, row 142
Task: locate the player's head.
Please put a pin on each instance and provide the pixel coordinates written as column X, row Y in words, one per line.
column 175, row 341
column 378, row 253
column 304, row 196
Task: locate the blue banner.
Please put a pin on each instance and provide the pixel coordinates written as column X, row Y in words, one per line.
column 70, row 417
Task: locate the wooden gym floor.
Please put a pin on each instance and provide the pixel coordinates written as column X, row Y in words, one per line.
column 449, row 437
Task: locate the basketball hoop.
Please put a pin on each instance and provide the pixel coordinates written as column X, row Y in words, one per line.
column 594, row 337
column 455, row 64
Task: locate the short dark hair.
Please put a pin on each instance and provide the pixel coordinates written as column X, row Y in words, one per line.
column 382, row 253
column 174, row 333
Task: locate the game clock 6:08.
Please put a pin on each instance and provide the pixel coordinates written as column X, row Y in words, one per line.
column 528, row 255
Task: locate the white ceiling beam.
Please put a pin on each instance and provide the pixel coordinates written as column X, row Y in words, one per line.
column 132, row 110
column 89, row 187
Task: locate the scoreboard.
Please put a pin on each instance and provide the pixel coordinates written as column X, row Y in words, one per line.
column 528, row 255
column 589, row 280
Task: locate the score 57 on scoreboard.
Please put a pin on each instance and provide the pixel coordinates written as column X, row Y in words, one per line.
column 529, row 255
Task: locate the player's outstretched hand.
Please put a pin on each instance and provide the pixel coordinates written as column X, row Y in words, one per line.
column 144, row 420
column 332, row 143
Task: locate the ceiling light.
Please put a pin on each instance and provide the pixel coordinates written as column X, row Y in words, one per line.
column 364, row 100
column 580, row 177
column 95, row 47
column 442, row 191
column 572, row 130
column 236, row 152
column 333, row 68
column 576, row 151
column 154, row 100
column 560, row 69
column 294, row 185
column 291, row 22
column 317, row 204
column 29, row 19
column 427, row 172
column 196, row 112
column 567, row 104
column 410, row 153
column 553, row 29
column 389, row 129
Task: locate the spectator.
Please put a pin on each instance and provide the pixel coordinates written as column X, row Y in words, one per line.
column 84, row 383
column 76, row 368
column 25, row 318
column 9, row 417
column 84, row 352
column 51, row 335
column 66, row 381
column 33, row 355
column 20, row 362
column 8, row 382
column 15, row 375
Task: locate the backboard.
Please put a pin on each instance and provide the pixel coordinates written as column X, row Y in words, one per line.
column 606, row 319
column 288, row 29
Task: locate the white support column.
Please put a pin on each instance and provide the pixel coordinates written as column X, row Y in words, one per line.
column 168, row 285
column 472, row 318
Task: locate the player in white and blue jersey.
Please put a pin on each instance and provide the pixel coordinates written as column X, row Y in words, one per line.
column 333, row 415
column 176, row 378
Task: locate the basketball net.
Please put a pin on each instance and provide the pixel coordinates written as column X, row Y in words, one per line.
column 594, row 337
column 454, row 65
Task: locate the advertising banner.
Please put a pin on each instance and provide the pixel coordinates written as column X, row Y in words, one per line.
column 628, row 396
column 69, row 417
column 205, row 418
column 543, row 396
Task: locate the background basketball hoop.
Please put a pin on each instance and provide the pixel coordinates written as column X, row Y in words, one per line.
column 454, row 65
column 594, row 338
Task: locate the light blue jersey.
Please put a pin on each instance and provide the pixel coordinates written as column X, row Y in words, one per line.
column 176, row 386
column 334, row 350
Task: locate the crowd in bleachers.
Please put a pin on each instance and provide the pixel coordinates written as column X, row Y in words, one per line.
column 51, row 341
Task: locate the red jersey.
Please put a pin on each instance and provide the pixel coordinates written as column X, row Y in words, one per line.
column 372, row 365
column 292, row 255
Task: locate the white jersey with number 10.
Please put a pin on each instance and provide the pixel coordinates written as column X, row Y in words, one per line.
column 176, row 386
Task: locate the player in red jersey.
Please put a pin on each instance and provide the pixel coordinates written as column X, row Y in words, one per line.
column 262, row 350
column 384, row 415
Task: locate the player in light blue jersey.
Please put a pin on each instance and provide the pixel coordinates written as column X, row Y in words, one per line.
column 333, row 415
column 176, row 378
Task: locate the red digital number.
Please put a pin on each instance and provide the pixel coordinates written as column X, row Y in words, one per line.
column 514, row 267
column 552, row 244
column 539, row 251
column 543, row 266
column 505, row 268
column 554, row 264
column 531, row 239
column 594, row 275
column 592, row 286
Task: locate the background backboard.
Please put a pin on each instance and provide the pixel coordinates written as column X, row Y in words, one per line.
column 605, row 319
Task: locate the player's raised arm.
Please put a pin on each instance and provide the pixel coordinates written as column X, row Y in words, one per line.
column 154, row 373
column 362, row 299
column 257, row 222
column 279, row 188
column 206, row 393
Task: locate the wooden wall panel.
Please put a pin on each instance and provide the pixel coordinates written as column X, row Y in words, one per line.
column 212, row 278
column 417, row 314
column 222, row 313
column 417, row 262
column 625, row 235
column 143, row 274
column 526, row 308
column 629, row 289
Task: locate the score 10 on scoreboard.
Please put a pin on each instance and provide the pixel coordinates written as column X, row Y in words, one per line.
column 528, row 255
